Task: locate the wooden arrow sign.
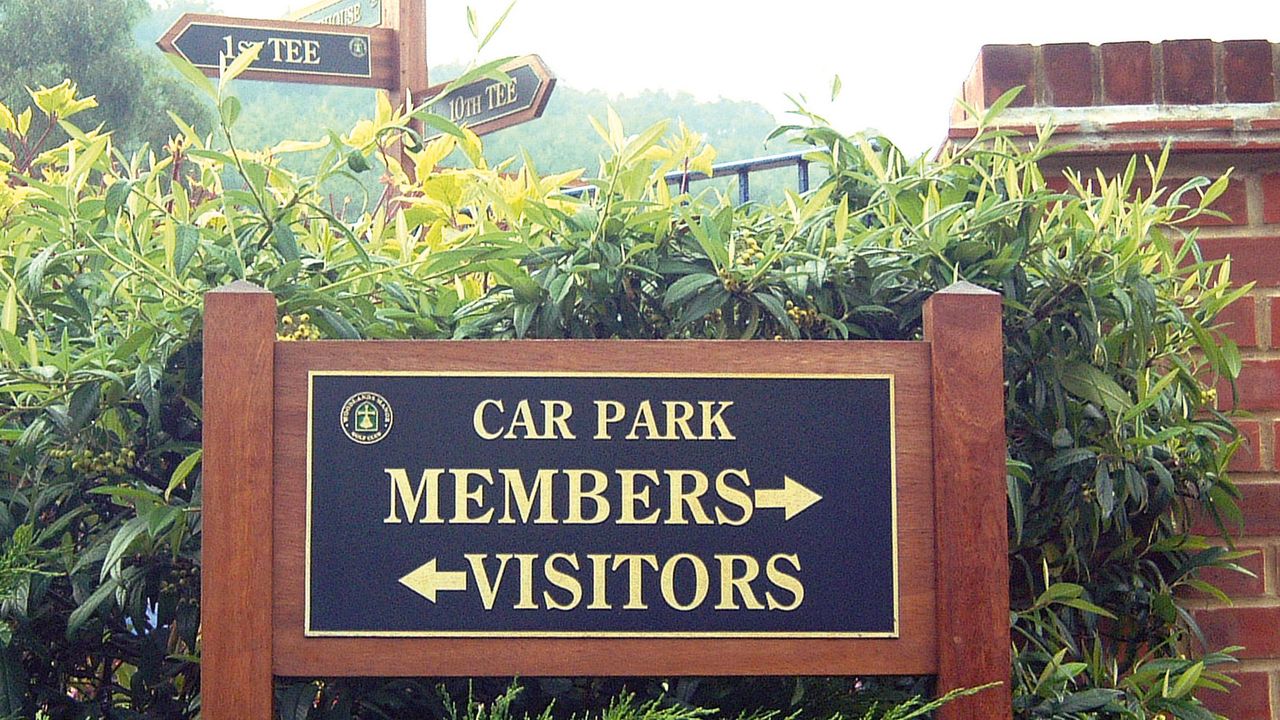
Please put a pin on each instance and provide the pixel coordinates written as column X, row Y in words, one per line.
column 354, row 13
column 487, row 106
column 298, row 52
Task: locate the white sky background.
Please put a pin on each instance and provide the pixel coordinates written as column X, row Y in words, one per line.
column 901, row 62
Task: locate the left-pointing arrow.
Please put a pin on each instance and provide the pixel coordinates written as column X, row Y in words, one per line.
column 427, row 581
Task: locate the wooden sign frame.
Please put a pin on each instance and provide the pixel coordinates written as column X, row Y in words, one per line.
column 951, row 510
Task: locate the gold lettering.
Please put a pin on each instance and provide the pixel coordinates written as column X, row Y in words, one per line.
column 411, row 500
column 733, row 496
column 635, row 567
column 276, row 44
column 599, row 589
column 526, row 583
column 700, row 582
column 488, row 589
column 691, row 499
column 784, row 581
column 715, row 420
column 631, row 496
column 524, row 420
column 524, row 496
column 477, row 420
column 578, row 495
column 608, row 411
column 464, row 495
column 644, row 419
column 311, row 52
column 555, row 418
column 679, row 413
column 731, row 583
column 562, row 580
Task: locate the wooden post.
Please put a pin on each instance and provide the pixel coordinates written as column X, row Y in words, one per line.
column 409, row 19
column 963, row 325
column 235, row 590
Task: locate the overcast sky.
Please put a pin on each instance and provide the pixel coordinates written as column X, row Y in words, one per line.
column 901, row 62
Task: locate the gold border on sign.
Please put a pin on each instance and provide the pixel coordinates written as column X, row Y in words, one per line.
column 352, row 34
column 893, row 495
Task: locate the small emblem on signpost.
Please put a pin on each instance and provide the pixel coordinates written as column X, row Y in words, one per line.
column 366, row 418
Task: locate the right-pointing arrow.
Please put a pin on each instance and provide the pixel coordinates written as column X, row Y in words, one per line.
column 427, row 581
column 794, row 498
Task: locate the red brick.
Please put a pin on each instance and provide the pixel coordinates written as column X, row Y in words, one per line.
column 1239, row 322
column 1237, row 584
column 1248, row 458
column 1275, row 328
column 1233, row 202
column 1069, row 71
column 1260, row 385
column 1252, row 259
column 1248, row 72
column 1188, row 72
column 1126, row 74
column 1250, row 700
column 1004, row 67
column 1265, row 124
column 1255, row 628
column 1260, row 505
column 1271, row 198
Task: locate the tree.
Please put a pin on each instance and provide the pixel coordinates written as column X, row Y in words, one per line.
column 91, row 41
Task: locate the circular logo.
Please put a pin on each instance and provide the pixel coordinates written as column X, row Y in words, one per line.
column 359, row 48
column 366, row 418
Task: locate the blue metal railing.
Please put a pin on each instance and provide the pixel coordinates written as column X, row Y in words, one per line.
column 741, row 168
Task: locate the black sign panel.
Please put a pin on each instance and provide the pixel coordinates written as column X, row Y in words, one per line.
column 482, row 504
column 339, row 53
column 488, row 101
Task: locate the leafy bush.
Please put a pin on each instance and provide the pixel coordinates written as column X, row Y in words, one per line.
column 1110, row 342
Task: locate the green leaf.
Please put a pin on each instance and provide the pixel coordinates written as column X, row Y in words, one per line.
column 247, row 57
column 120, row 544
column 296, row 701
column 133, row 343
column 188, row 240
column 1088, row 382
column 193, row 75
column 118, row 194
column 84, row 405
column 90, row 605
column 286, row 242
column 182, row 471
column 688, row 285
column 342, row 329
column 9, row 315
column 230, row 110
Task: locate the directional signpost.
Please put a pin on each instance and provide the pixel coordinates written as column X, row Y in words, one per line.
column 487, row 106
column 351, row 13
column 291, row 51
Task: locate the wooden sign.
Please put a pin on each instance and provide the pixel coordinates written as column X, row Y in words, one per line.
column 349, row 13
column 600, row 504
column 292, row 51
column 486, row 106
column 603, row 507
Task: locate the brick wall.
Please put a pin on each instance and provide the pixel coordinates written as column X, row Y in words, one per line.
column 1216, row 104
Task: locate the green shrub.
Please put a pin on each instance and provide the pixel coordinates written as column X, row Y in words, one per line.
column 1111, row 352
